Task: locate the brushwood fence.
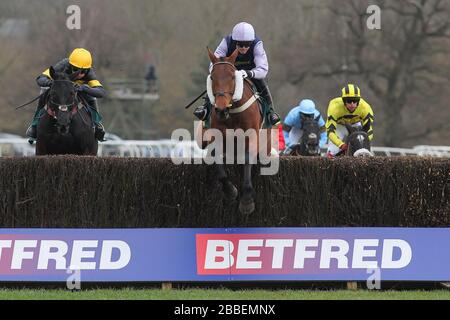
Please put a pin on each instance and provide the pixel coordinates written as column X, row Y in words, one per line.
column 93, row 192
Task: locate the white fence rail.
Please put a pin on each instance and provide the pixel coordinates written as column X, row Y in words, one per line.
column 167, row 148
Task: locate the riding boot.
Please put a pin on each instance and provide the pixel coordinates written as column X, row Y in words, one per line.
column 99, row 128
column 32, row 129
column 203, row 112
column 31, row 132
column 263, row 89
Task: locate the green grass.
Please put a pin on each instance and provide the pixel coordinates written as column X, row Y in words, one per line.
column 221, row 294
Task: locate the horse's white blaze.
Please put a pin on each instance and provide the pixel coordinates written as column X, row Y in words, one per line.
column 360, row 138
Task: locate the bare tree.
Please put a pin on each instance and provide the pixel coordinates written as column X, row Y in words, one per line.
column 314, row 47
column 399, row 63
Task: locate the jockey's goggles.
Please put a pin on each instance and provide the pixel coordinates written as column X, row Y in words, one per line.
column 76, row 69
column 244, row 44
column 307, row 115
column 351, row 100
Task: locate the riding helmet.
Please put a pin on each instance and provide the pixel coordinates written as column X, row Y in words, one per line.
column 307, row 106
column 243, row 31
column 80, row 58
column 351, row 91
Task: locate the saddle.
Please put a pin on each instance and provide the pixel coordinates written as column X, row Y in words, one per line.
column 263, row 105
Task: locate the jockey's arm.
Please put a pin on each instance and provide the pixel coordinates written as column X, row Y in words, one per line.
column 97, row 92
column 368, row 122
column 286, row 130
column 43, row 81
column 221, row 51
column 292, row 120
column 323, row 133
column 93, row 87
column 261, row 64
column 331, row 126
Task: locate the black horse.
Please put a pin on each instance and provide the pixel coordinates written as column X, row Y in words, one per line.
column 66, row 127
column 309, row 141
column 358, row 142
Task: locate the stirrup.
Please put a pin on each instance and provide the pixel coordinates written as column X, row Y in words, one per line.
column 274, row 119
column 100, row 136
column 201, row 112
column 31, row 133
column 100, row 132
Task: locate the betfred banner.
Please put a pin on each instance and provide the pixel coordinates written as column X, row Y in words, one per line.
column 242, row 254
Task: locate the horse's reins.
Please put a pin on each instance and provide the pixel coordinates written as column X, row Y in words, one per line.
column 29, row 102
column 81, row 115
column 193, row 101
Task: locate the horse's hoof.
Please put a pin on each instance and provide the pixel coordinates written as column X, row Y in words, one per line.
column 246, row 206
column 230, row 192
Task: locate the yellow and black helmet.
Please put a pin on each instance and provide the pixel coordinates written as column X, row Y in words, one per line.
column 351, row 91
column 80, row 58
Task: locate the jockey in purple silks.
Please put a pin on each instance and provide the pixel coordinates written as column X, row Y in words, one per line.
column 252, row 60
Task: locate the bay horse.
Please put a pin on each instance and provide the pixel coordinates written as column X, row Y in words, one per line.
column 234, row 106
column 309, row 141
column 66, row 126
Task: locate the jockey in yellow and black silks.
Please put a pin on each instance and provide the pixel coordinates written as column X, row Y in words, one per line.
column 79, row 61
column 351, row 109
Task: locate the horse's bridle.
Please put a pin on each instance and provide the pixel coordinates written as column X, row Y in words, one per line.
column 222, row 93
column 62, row 107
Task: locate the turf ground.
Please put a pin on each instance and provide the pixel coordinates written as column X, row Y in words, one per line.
column 221, row 294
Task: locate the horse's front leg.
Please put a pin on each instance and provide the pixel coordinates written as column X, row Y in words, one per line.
column 247, row 202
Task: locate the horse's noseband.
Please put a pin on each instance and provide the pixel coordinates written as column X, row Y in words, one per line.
column 62, row 107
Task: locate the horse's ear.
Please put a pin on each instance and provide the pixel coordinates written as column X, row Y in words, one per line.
column 211, row 55
column 52, row 72
column 233, row 56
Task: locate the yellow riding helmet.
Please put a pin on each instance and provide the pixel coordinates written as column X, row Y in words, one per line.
column 80, row 58
column 351, row 91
